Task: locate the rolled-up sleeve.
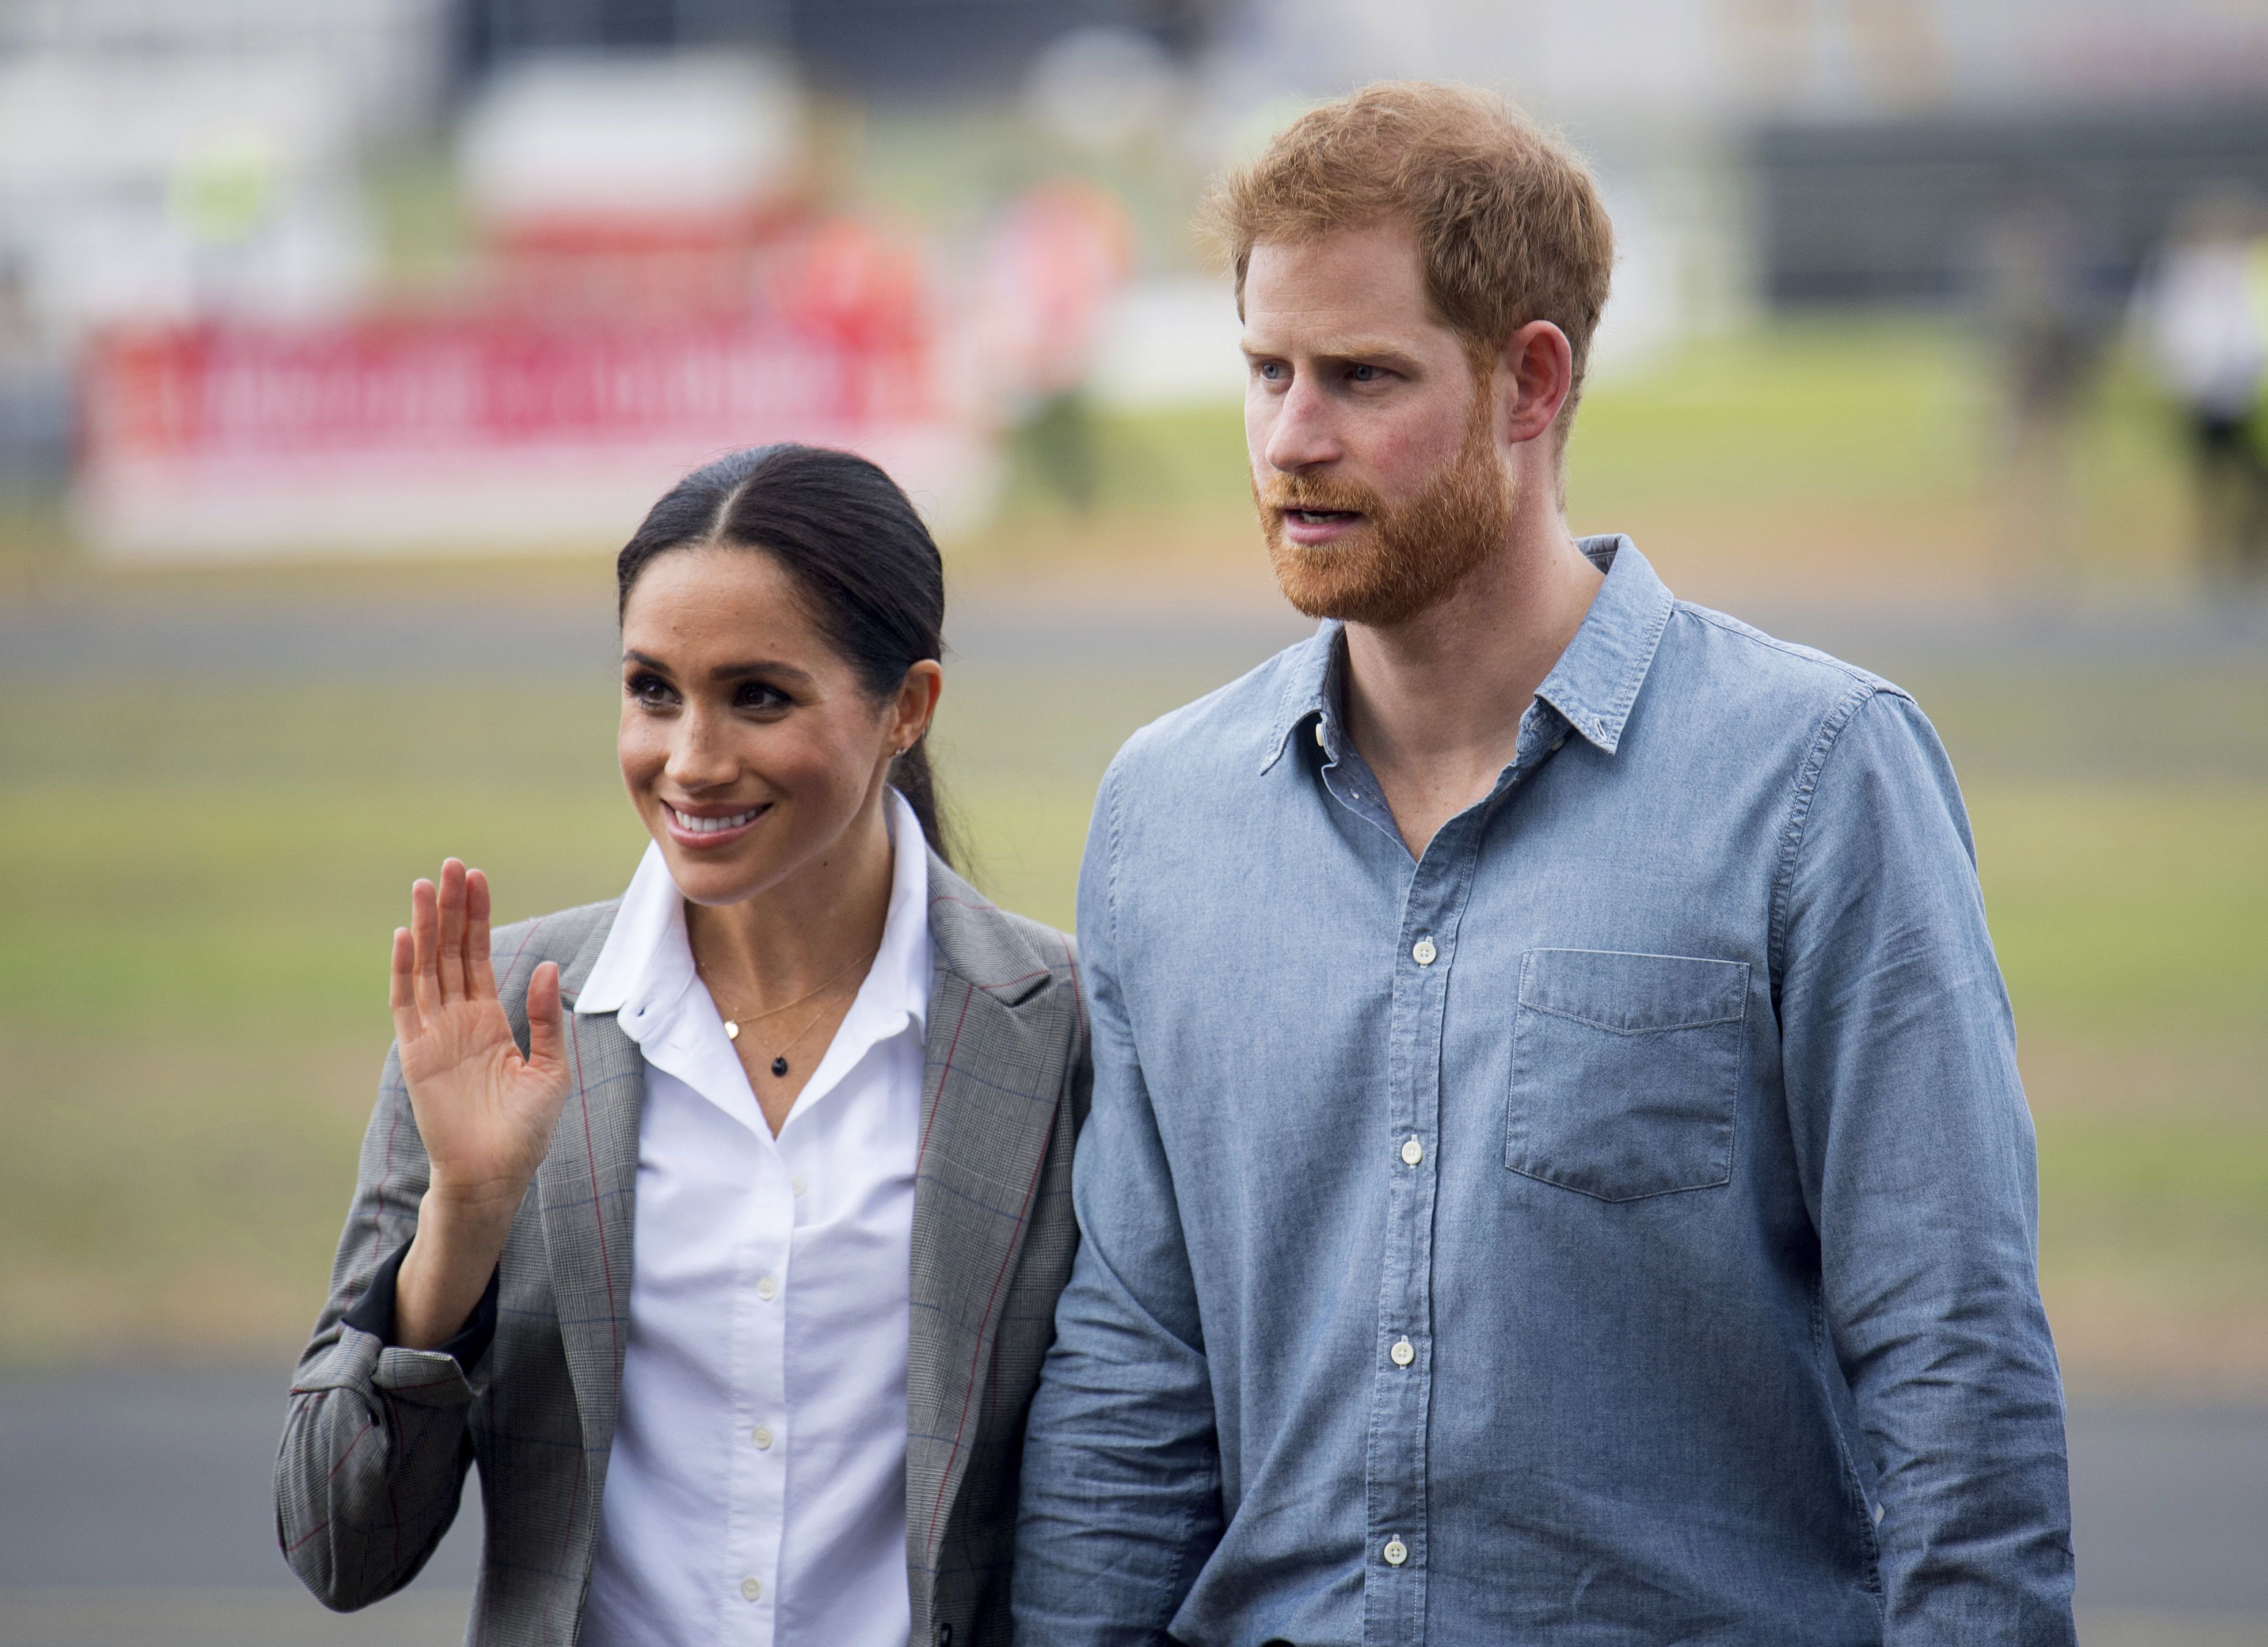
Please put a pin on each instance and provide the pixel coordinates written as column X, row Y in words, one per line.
column 376, row 1445
column 1121, row 1497
column 1918, row 1166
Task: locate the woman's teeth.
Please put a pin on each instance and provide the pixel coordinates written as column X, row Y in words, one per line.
column 711, row 826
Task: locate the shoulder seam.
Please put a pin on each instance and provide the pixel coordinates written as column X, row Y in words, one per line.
column 1109, row 799
column 1864, row 690
column 1803, row 654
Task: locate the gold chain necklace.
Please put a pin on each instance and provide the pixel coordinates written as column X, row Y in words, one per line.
column 733, row 1025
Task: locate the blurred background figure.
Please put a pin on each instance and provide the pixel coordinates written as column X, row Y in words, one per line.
column 2205, row 313
column 2046, row 309
column 1059, row 255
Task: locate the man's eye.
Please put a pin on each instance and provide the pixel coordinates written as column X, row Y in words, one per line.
column 1270, row 370
column 1364, row 374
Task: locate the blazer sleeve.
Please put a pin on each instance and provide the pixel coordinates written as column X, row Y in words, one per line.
column 377, row 1445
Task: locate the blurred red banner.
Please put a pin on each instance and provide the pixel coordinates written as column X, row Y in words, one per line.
column 230, row 437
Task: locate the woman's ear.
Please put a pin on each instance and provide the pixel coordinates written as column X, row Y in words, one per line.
column 916, row 702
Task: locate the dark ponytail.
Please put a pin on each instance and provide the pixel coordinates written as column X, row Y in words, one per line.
column 856, row 548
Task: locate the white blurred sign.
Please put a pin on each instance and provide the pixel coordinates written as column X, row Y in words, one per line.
column 1171, row 342
column 632, row 138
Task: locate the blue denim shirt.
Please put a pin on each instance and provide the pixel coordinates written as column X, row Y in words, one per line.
column 1616, row 1225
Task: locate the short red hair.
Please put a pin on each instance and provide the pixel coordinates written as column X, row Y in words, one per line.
column 1509, row 224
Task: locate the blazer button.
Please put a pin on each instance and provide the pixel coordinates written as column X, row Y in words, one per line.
column 945, row 1635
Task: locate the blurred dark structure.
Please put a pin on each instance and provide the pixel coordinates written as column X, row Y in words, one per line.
column 1894, row 211
column 929, row 47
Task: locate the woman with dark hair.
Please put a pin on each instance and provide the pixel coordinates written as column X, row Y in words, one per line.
column 721, row 1225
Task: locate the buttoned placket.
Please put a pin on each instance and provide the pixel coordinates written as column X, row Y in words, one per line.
column 756, row 1491
column 1433, row 905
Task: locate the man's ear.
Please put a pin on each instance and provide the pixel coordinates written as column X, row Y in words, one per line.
column 1536, row 372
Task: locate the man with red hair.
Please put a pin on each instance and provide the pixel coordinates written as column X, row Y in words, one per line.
column 1557, row 1170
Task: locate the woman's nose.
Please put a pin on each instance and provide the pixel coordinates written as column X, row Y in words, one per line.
column 700, row 757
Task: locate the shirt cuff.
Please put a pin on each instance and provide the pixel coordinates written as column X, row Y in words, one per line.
column 373, row 1313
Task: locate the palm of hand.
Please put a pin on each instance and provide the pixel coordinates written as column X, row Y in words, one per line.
column 485, row 1113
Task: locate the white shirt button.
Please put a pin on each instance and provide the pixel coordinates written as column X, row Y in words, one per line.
column 1319, row 735
column 796, row 1184
column 767, row 1289
column 1413, row 1152
column 1423, row 952
column 1403, row 1353
column 752, row 1588
column 762, row 1434
column 1395, row 1553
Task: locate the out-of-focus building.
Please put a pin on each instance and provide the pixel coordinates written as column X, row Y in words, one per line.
column 1806, row 151
column 928, row 50
column 180, row 158
column 651, row 256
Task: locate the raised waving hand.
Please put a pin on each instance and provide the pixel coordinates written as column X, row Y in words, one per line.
column 484, row 1112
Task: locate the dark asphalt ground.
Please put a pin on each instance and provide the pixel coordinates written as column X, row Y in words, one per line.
column 208, row 635
column 123, row 1489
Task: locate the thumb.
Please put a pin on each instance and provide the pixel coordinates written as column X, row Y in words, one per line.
column 546, row 1034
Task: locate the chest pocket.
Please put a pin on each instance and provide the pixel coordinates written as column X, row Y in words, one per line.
column 1625, row 1071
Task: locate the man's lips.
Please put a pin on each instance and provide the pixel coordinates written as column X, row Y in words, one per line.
column 1313, row 526
column 710, row 827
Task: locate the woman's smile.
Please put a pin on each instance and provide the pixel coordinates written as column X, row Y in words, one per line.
column 708, row 827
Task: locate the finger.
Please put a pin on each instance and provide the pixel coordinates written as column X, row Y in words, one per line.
column 401, row 996
column 452, row 957
column 424, row 938
column 479, row 971
column 546, row 1034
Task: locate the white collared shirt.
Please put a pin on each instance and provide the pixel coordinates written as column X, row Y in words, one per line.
column 755, row 1491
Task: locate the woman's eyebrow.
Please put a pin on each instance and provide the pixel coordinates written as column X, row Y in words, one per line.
column 769, row 668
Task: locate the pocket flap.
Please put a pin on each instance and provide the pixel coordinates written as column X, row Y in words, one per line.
column 1633, row 995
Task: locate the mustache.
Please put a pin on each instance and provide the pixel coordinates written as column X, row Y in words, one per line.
column 1317, row 492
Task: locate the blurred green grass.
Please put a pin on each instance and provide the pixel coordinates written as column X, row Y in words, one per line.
column 199, row 881
column 199, row 874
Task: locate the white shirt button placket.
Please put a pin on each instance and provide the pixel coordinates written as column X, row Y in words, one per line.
column 760, row 1468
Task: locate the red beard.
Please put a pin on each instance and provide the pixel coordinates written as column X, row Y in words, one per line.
column 1401, row 558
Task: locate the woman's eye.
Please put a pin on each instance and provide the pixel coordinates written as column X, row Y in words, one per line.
column 650, row 690
column 756, row 696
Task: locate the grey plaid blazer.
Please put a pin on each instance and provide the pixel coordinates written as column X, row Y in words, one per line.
column 375, row 1450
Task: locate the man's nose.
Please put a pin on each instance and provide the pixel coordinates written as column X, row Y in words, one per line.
column 1304, row 432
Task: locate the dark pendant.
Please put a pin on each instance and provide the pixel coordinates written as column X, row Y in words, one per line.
column 779, row 1066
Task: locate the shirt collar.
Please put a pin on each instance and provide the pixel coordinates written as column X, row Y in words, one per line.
column 1597, row 677
column 1593, row 686
column 647, row 960
column 646, row 965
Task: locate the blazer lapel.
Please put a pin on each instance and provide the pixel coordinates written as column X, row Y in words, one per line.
column 587, row 1186
column 994, row 1078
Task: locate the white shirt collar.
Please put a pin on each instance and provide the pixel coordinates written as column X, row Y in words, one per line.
column 646, row 966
